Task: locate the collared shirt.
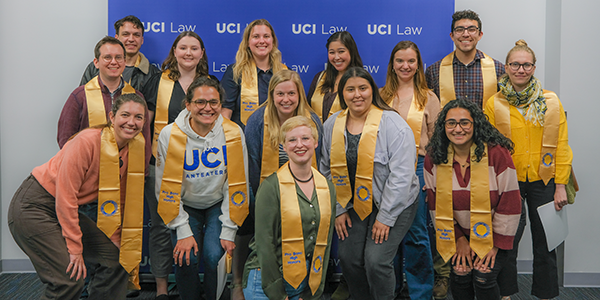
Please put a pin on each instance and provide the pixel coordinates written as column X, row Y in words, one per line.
column 468, row 80
column 233, row 91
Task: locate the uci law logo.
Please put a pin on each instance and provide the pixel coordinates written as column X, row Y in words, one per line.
column 228, row 27
column 386, row 29
column 312, row 29
column 159, row 27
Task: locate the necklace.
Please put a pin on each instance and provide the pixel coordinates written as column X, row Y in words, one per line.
column 296, row 178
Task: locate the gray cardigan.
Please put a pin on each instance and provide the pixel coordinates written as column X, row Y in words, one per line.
column 395, row 184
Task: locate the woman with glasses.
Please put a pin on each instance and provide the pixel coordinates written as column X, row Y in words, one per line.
column 164, row 93
column 406, row 91
column 323, row 92
column 473, row 196
column 296, row 209
column 535, row 121
column 201, row 186
column 369, row 153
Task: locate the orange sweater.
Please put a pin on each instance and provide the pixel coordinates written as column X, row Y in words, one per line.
column 71, row 176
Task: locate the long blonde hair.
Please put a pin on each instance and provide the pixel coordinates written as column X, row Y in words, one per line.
column 243, row 58
column 271, row 115
column 388, row 91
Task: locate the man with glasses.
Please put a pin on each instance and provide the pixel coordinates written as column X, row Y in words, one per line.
column 130, row 31
column 465, row 73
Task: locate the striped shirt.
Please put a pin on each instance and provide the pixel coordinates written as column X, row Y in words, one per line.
column 505, row 199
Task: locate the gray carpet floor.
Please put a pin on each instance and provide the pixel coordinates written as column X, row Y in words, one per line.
column 28, row 286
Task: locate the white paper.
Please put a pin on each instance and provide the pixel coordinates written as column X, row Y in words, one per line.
column 221, row 275
column 556, row 225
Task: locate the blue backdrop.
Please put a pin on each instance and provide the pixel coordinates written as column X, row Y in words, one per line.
column 302, row 28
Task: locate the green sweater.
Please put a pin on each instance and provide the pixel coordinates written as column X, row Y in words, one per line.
column 266, row 244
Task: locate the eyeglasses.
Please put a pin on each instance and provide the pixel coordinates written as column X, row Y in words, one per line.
column 201, row 103
column 470, row 29
column 526, row 66
column 465, row 124
column 118, row 58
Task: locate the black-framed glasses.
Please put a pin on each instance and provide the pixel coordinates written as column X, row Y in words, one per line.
column 201, row 103
column 470, row 29
column 465, row 124
column 118, row 58
column 526, row 66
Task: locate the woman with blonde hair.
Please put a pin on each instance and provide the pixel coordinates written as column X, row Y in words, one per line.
column 535, row 121
column 246, row 82
column 296, row 206
column 406, row 91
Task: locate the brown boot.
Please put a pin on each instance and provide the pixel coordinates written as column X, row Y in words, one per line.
column 440, row 287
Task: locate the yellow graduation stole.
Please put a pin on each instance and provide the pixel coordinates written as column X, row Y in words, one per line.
column 238, row 187
column 163, row 99
column 292, row 239
column 109, row 196
column 170, row 188
column 249, row 93
column 270, row 155
column 316, row 101
column 364, row 167
column 95, row 102
column 481, row 237
column 446, row 80
column 547, row 167
column 414, row 119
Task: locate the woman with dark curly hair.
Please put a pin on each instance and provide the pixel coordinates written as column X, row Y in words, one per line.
column 473, row 196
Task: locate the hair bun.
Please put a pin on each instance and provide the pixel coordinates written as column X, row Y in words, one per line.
column 521, row 42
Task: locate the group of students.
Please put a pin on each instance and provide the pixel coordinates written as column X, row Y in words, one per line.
column 253, row 167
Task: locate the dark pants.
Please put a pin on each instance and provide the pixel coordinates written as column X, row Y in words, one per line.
column 34, row 226
column 368, row 267
column 545, row 271
column 161, row 249
column 476, row 283
column 206, row 226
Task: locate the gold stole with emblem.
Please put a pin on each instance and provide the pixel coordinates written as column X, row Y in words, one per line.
column 109, row 196
column 481, row 234
column 170, row 188
column 316, row 101
column 95, row 102
column 249, row 93
column 163, row 99
column 364, row 167
column 270, row 155
column 547, row 167
column 293, row 257
column 446, row 79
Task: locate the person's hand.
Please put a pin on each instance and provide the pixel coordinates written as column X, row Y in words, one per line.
column 560, row 197
column 340, row 225
column 76, row 266
column 183, row 249
column 380, row 232
column 463, row 258
column 487, row 263
column 228, row 246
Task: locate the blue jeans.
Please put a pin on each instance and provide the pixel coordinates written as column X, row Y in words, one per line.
column 254, row 290
column 206, row 227
column 416, row 248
